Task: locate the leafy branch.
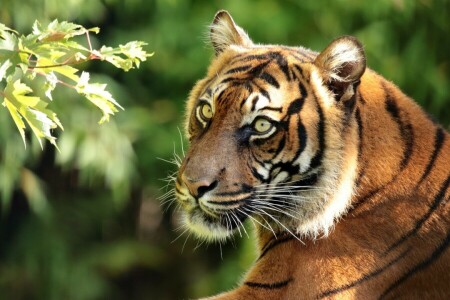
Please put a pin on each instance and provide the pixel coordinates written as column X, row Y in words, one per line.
column 52, row 54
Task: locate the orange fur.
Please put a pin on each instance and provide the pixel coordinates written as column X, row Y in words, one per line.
column 376, row 172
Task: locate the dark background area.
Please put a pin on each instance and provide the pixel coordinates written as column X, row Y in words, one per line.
column 85, row 222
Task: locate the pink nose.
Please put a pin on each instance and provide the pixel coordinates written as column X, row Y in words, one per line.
column 198, row 188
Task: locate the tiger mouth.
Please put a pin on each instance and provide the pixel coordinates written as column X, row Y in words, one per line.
column 228, row 219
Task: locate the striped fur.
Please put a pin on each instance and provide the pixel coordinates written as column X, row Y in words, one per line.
column 344, row 177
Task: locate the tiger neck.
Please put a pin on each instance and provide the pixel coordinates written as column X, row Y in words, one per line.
column 373, row 170
column 385, row 163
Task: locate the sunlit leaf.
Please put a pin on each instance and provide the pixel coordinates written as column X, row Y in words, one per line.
column 51, row 54
column 50, row 84
column 32, row 109
column 125, row 56
column 97, row 94
column 4, row 68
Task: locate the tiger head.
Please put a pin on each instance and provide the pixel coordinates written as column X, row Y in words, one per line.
column 271, row 136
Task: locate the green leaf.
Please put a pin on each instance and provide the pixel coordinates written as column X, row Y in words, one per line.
column 32, row 109
column 50, row 84
column 17, row 118
column 44, row 65
column 8, row 47
column 57, row 31
column 4, row 68
column 132, row 52
column 97, row 94
column 3, row 27
column 51, row 54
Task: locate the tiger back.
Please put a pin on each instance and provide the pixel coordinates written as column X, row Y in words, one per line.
column 344, row 177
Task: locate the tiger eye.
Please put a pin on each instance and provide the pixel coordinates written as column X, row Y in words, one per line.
column 206, row 112
column 262, row 125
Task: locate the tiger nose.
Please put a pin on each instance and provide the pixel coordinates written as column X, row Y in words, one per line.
column 198, row 188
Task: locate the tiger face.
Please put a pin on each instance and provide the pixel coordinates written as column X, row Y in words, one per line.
column 268, row 138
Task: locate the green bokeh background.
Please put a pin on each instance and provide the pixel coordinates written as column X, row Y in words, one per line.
column 85, row 223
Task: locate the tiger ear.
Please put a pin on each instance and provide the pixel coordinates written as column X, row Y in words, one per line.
column 224, row 32
column 343, row 63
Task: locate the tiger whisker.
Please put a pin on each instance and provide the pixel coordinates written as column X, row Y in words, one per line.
column 282, row 203
column 184, row 244
column 296, row 198
column 170, row 205
column 242, row 224
column 276, row 206
column 179, row 236
column 199, row 244
column 268, row 224
column 253, row 219
column 284, row 198
column 231, row 218
column 278, row 210
column 166, row 195
column 278, row 222
column 181, row 141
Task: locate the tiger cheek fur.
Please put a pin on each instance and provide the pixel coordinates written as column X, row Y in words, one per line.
column 295, row 141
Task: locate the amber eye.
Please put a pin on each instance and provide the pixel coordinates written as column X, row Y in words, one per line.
column 262, row 125
column 206, row 112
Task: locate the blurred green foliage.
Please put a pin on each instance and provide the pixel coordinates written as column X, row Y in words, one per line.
column 85, row 223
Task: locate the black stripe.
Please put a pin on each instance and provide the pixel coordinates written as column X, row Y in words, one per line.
column 234, row 193
column 302, row 59
column 220, row 96
column 262, row 91
column 302, row 137
column 254, row 101
column 243, row 101
column 228, row 79
column 302, row 89
column 228, row 202
column 254, row 57
column 248, row 87
column 409, row 143
column 364, row 199
column 269, row 286
column 241, row 83
column 437, row 200
column 438, row 142
column 295, row 106
column 310, row 180
column 258, row 69
column 273, row 243
column 299, row 70
column 282, row 63
column 269, row 79
column 238, row 69
column 280, row 146
column 406, row 131
column 360, row 132
column 279, row 109
column 287, row 167
column 257, row 175
column 361, row 99
column 317, row 159
column 260, row 162
column 422, row 265
column 364, row 277
column 360, row 145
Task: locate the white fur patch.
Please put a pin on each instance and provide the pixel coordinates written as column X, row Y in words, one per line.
column 337, row 179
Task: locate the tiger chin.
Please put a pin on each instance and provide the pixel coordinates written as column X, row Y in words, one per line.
column 343, row 176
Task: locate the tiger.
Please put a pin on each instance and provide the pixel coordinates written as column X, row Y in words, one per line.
column 344, row 178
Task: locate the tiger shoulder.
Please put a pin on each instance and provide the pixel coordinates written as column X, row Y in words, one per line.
column 344, row 177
